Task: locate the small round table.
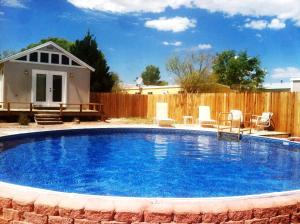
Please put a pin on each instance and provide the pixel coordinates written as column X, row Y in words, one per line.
column 186, row 118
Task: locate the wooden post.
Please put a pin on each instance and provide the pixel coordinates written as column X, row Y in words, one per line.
column 30, row 107
column 60, row 109
column 101, row 113
column 8, row 106
column 80, row 108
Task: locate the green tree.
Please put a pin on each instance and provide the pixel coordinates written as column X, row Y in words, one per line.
column 151, row 76
column 117, row 87
column 59, row 41
column 87, row 50
column 239, row 70
column 193, row 72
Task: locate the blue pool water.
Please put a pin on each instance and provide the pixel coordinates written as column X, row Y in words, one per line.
column 149, row 163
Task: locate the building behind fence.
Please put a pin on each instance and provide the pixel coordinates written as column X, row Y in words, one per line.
column 284, row 105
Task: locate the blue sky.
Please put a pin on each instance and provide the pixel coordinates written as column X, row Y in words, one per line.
column 134, row 34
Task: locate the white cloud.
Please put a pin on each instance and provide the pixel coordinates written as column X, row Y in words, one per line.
column 129, row 6
column 176, row 43
column 175, row 24
column 204, row 46
column 1, row 13
column 201, row 47
column 257, row 24
column 274, row 24
column 280, row 9
column 285, row 73
column 13, row 3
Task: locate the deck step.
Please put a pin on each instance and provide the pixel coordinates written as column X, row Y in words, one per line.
column 48, row 119
column 48, row 122
column 47, row 115
column 229, row 136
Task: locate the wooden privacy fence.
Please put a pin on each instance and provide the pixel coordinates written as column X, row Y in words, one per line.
column 122, row 105
column 284, row 105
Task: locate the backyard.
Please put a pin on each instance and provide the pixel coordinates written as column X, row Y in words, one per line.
column 149, row 112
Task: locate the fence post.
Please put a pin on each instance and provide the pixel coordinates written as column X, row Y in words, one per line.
column 30, row 107
column 8, row 106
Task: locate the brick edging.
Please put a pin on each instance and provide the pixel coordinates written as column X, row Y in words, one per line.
column 23, row 205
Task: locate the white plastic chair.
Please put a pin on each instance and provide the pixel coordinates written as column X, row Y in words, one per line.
column 204, row 116
column 162, row 118
column 236, row 115
column 263, row 121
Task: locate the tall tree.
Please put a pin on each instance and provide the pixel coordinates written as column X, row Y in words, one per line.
column 193, row 72
column 151, row 76
column 238, row 69
column 87, row 50
column 117, row 87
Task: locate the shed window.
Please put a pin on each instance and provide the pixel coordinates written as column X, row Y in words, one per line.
column 75, row 63
column 64, row 60
column 44, row 57
column 24, row 58
column 33, row 57
column 55, row 58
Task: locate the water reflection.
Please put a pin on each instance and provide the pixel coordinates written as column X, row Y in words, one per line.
column 160, row 146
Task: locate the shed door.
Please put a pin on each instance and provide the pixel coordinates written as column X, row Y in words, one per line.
column 41, row 88
column 57, row 88
column 49, row 88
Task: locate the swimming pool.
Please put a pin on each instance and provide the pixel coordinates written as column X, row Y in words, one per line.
column 149, row 163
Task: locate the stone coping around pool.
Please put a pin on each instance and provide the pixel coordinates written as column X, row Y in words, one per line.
column 25, row 205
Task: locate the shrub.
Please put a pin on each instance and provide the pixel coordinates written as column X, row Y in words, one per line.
column 23, row 119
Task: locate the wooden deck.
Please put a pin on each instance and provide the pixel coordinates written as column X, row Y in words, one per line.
column 277, row 134
column 64, row 110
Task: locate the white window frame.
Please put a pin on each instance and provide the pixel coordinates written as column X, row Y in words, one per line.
column 28, row 57
column 49, row 85
column 45, row 63
column 49, row 59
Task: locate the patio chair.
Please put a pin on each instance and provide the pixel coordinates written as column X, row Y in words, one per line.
column 162, row 118
column 237, row 118
column 204, row 116
column 262, row 121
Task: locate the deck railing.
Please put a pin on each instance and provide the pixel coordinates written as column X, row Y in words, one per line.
column 8, row 106
column 91, row 107
column 29, row 107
